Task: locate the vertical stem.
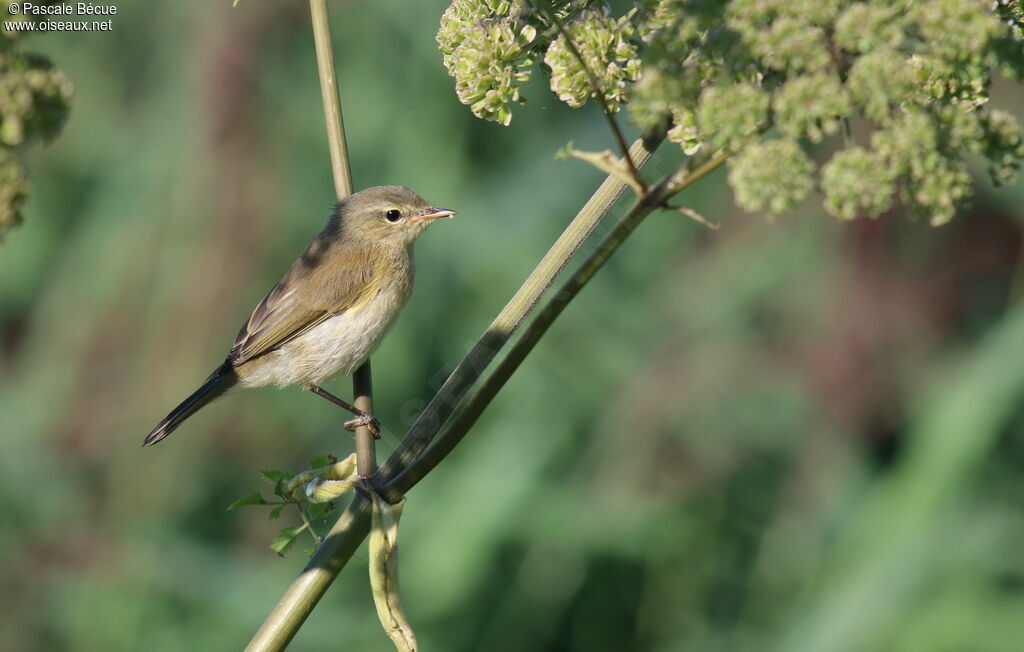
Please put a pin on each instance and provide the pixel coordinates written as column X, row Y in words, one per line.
column 332, row 105
column 362, row 383
column 362, row 389
column 354, row 524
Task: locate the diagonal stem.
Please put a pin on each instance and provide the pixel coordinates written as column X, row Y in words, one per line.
column 302, row 596
column 354, row 524
column 471, row 367
column 680, row 179
column 362, row 381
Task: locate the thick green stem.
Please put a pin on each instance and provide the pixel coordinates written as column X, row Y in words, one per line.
column 302, row 596
column 362, row 389
column 472, row 366
column 332, row 104
column 362, row 381
column 681, row 179
column 354, row 524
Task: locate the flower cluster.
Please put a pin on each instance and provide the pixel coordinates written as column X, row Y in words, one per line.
column 890, row 96
column 1012, row 13
column 601, row 52
column 13, row 190
column 490, row 47
column 34, row 98
column 772, row 175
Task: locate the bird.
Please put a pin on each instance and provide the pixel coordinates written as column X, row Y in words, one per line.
column 331, row 309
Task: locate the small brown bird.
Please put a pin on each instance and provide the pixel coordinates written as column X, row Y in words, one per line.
column 332, row 308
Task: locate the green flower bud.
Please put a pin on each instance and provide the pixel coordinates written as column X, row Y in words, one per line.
column 877, row 81
column 962, row 127
column 1002, row 145
column 655, row 93
column 605, row 48
column 938, row 185
column 34, row 99
column 869, row 26
column 935, row 182
column 684, row 131
column 13, row 191
column 724, row 72
column 911, row 136
column 857, row 182
column 955, row 29
column 489, row 53
column 729, row 115
column 771, row 175
column 783, row 40
column 761, row 12
column 1011, row 12
column 811, row 106
column 960, row 83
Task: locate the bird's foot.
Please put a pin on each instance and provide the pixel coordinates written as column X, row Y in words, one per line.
column 367, row 420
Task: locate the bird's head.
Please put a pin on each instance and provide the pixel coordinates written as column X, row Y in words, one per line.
column 387, row 215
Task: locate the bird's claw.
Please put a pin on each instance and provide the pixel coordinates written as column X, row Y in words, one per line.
column 367, row 420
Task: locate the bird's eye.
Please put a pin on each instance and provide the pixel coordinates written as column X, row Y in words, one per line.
column 393, row 215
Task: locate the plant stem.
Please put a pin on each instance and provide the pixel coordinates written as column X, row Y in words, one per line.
column 329, row 92
column 362, row 389
column 471, row 367
column 679, row 180
column 362, row 381
column 595, row 85
column 354, row 524
column 302, row 596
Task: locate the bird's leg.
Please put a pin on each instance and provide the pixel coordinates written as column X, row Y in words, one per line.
column 362, row 418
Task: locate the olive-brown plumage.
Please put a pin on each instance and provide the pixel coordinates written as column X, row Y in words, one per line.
column 330, row 311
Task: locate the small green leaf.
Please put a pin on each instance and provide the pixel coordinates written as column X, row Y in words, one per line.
column 322, row 460
column 275, row 513
column 328, row 490
column 564, row 152
column 605, row 161
column 285, row 538
column 320, row 510
column 252, row 499
column 274, row 475
column 278, row 478
column 343, row 470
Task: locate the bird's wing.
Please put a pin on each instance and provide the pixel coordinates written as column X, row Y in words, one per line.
column 305, row 297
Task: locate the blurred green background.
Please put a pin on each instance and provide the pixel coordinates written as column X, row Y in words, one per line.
column 793, row 436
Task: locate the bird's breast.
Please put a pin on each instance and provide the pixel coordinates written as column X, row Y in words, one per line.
column 336, row 346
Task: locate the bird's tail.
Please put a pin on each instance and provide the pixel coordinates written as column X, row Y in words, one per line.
column 219, row 382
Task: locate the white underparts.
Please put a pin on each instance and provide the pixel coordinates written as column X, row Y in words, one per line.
column 336, row 346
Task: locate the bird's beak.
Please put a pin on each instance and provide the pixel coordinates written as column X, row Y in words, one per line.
column 432, row 214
